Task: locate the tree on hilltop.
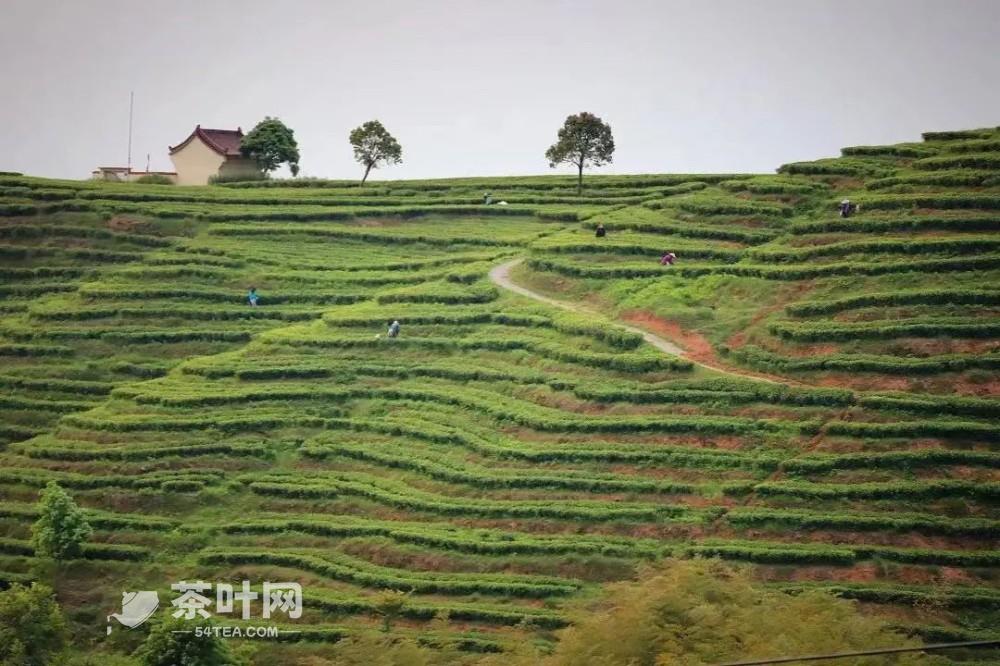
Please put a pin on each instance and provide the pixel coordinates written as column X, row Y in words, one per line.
column 583, row 141
column 374, row 146
column 61, row 528
column 270, row 144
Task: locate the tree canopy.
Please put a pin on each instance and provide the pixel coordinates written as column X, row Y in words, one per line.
column 374, row 146
column 61, row 528
column 32, row 629
column 700, row 612
column 271, row 143
column 172, row 643
column 584, row 140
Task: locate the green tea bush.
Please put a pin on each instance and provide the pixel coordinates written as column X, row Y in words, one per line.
column 905, row 150
column 900, row 460
column 959, row 135
column 402, row 496
column 757, row 357
column 841, row 166
column 880, row 330
column 453, row 471
column 154, row 179
column 938, row 179
column 900, row 490
column 958, row 246
column 896, row 298
column 960, row 161
column 893, row 521
column 359, row 572
column 454, row 538
column 945, row 201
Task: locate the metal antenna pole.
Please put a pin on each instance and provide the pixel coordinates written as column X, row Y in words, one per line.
column 131, row 101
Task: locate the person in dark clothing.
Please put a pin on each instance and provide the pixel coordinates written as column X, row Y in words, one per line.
column 846, row 208
column 601, row 231
column 393, row 329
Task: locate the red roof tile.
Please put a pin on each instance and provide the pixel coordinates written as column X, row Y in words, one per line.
column 224, row 142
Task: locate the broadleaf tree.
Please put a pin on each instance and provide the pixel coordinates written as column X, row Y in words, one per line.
column 270, row 144
column 702, row 612
column 171, row 642
column 32, row 628
column 374, row 146
column 61, row 528
column 584, row 140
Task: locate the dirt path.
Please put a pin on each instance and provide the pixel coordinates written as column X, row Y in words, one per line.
column 500, row 275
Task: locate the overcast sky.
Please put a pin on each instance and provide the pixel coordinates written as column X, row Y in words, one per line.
column 479, row 87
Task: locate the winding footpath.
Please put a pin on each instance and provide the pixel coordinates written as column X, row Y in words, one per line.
column 500, row 276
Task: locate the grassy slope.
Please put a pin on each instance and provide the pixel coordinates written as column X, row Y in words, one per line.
column 502, row 459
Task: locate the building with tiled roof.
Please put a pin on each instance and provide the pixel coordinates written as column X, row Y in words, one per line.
column 211, row 152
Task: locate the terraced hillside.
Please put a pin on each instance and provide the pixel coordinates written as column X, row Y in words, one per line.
column 833, row 423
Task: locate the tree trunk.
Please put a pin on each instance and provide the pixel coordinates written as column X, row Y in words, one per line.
column 579, row 178
column 368, row 169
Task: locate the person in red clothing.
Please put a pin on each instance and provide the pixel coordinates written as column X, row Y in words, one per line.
column 668, row 259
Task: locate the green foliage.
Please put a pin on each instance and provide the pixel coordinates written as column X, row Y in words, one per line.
column 584, row 140
column 367, row 650
column 760, row 358
column 238, row 178
column 893, row 298
column 271, row 143
column 374, row 146
column 959, row 135
column 504, row 458
column 942, row 178
column 154, row 179
column 893, row 522
column 895, row 150
column 61, row 528
column 945, row 201
column 702, row 612
column 960, row 161
column 882, row 330
column 32, row 629
column 359, row 572
column 172, row 643
column 845, row 166
column 389, row 605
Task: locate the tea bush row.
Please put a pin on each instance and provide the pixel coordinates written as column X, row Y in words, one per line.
column 359, row 572
column 454, row 538
column 896, row 298
column 480, row 477
column 934, row 246
column 881, row 330
column 760, row 358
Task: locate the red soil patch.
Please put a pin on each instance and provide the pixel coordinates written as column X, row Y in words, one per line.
column 125, row 223
column 737, row 340
column 842, row 380
column 932, row 347
column 987, row 389
column 696, row 347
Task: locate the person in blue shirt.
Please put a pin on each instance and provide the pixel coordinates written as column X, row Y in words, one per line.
column 394, row 329
column 252, row 296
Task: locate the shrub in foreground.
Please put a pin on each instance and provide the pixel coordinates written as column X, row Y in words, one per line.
column 32, row 629
column 704, row 612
